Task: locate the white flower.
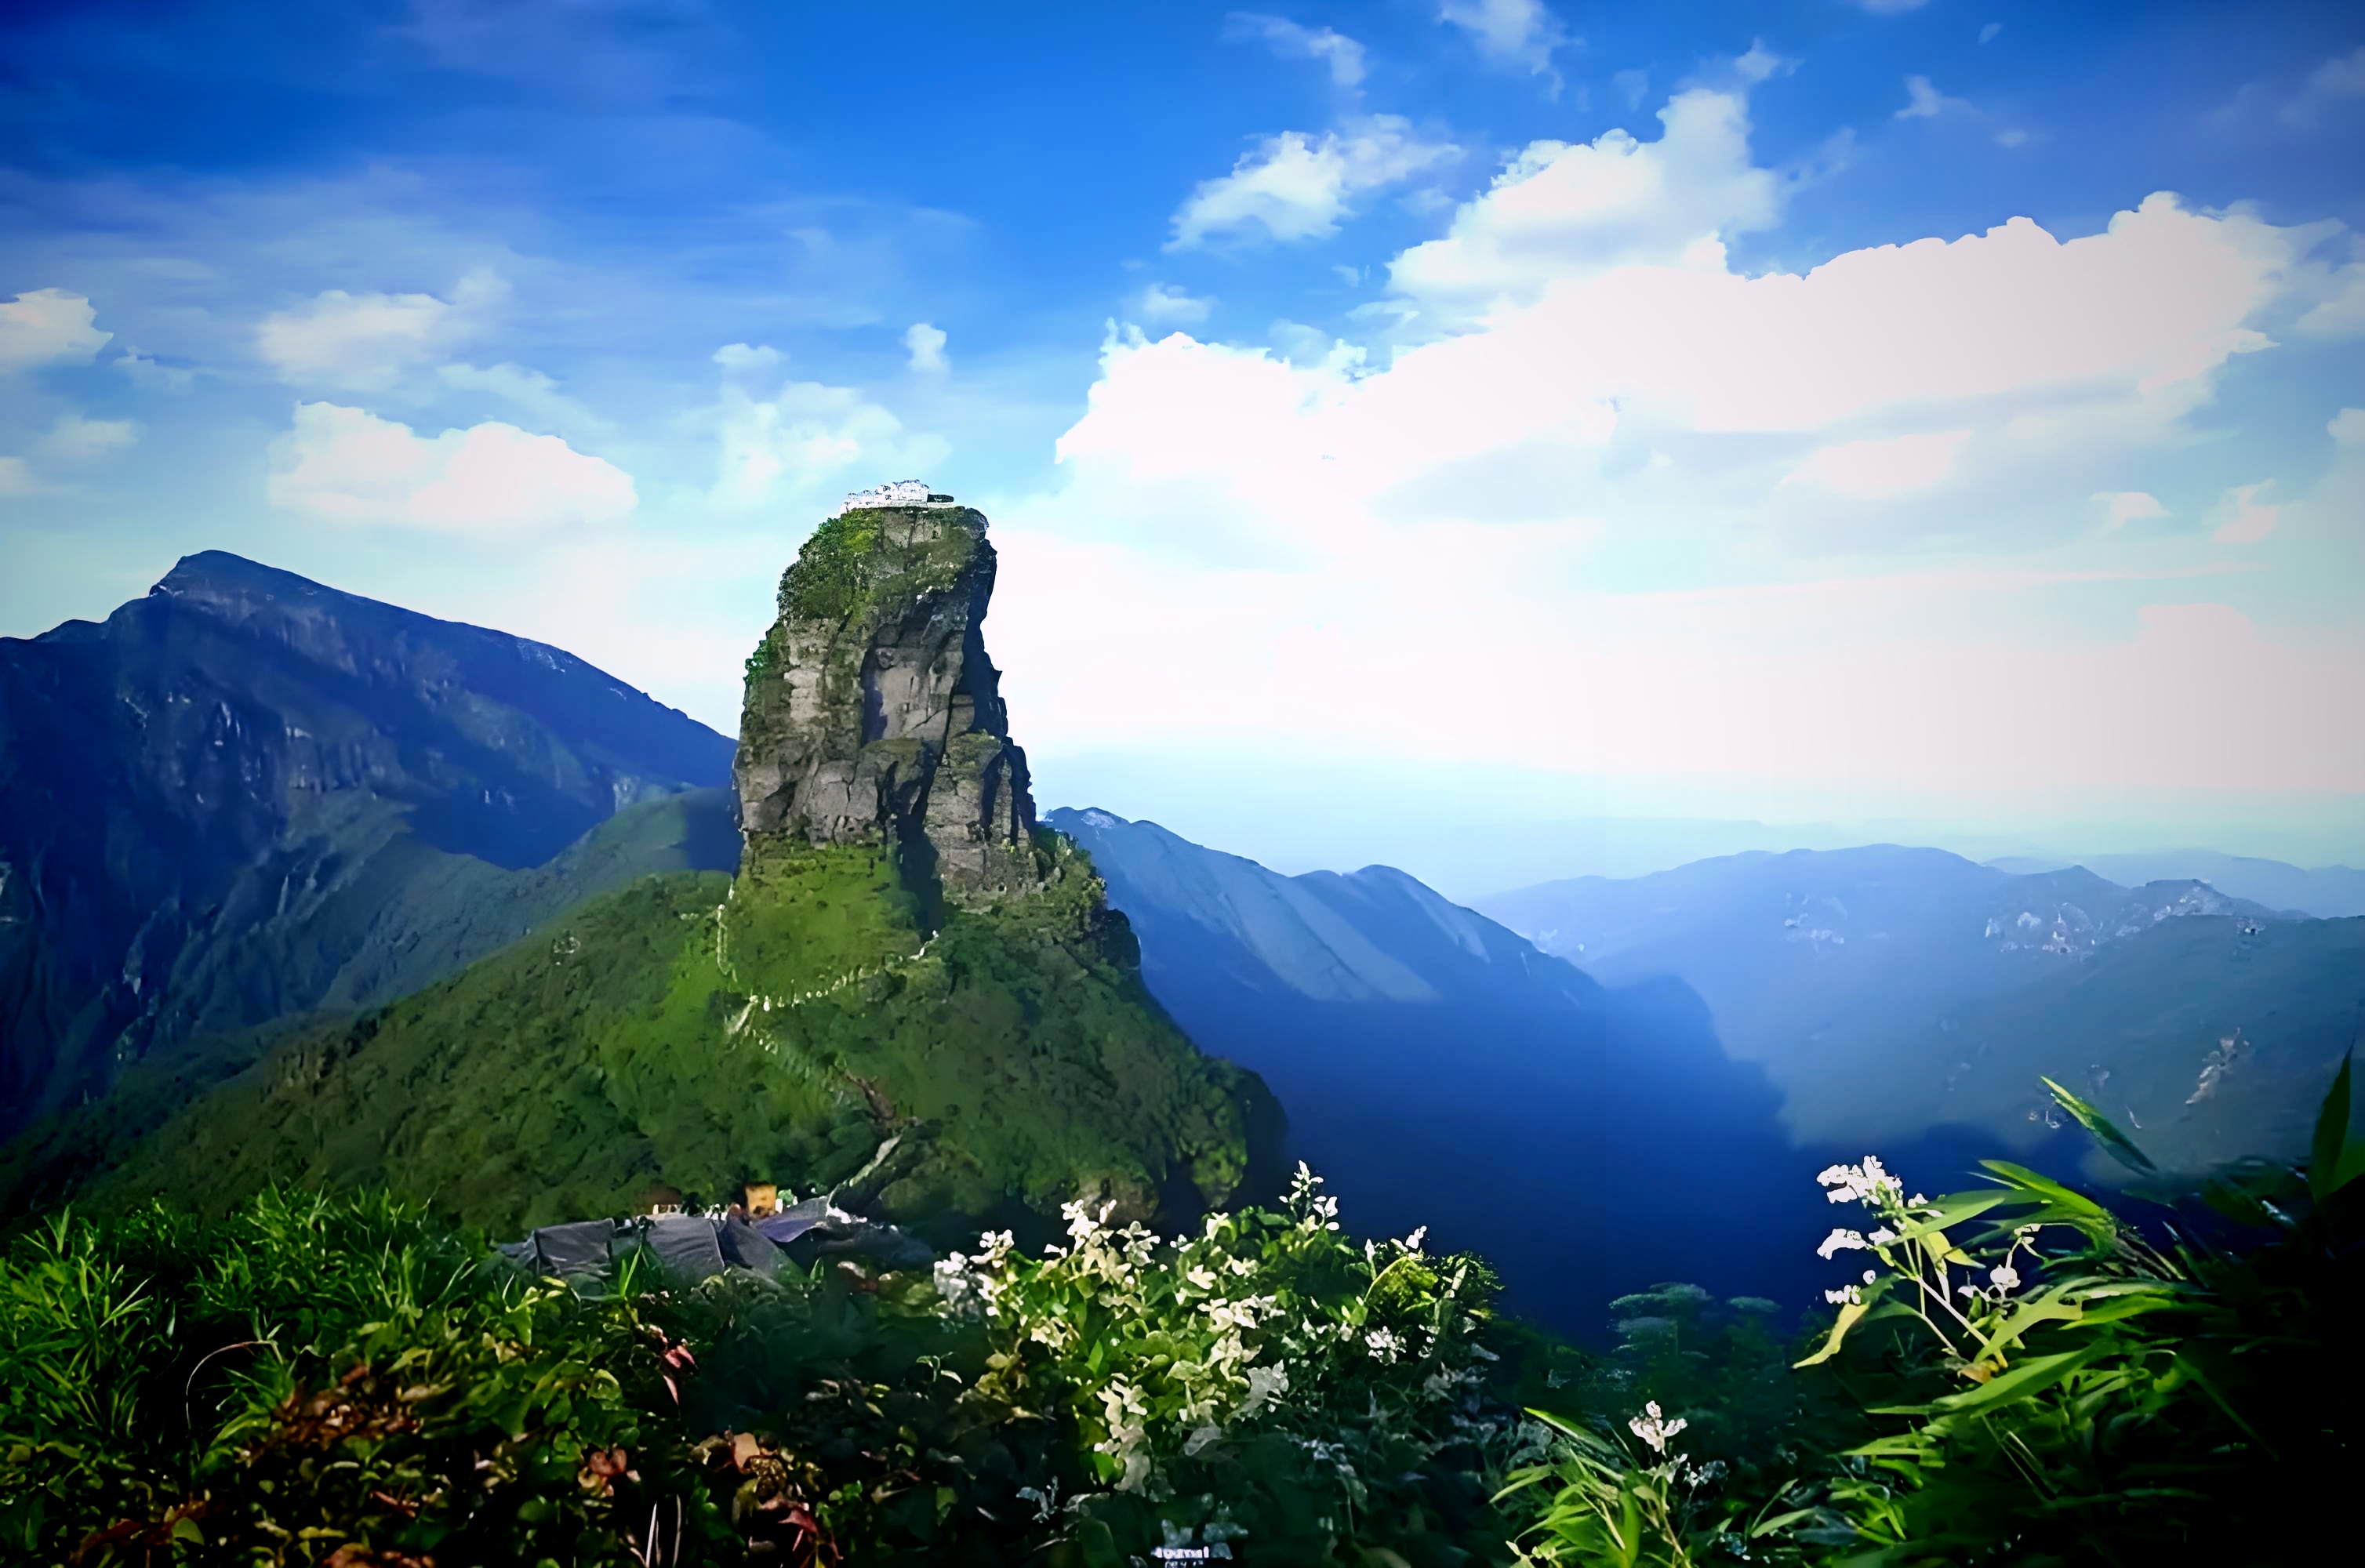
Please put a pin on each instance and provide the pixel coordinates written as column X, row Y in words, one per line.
column 1654, row 1430
column 2004, row 1277
column 1265, row 1385
column 1867, row 1276
column 1839, row 1241
column 1846, row 1295
column 1202, row 1276
column 1412, row 1243
column 1200, row 1438
column 1384, row 1344
column 1882, row 1236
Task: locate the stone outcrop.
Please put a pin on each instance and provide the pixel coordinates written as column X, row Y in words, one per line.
column 873, row 715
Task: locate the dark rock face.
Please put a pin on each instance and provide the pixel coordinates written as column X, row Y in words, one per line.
column 248, row 795
column 873, row 715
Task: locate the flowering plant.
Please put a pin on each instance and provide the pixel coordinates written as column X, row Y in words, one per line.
column 1266, row 1376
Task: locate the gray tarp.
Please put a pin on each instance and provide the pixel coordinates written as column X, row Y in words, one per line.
column 581, row 1247
column 701, row 1247
column 686, row 1244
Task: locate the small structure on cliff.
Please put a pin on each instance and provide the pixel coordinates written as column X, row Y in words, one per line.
column 873, row 715
column 896, row 493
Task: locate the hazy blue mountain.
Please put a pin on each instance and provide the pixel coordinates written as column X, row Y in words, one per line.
column 1439, row 1068
column 2327, row 893
column 247, row 796
column 1889, row 989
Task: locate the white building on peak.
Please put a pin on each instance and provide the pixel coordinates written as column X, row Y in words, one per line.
column 900, row 493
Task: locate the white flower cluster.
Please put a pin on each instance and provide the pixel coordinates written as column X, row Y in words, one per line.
column 1654, row 1429
column 1864, row 1183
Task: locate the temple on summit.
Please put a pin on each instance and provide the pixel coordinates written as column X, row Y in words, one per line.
column 899, row 493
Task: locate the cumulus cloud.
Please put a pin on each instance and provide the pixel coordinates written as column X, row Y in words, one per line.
column 75, row 439
column 927, row 346
column 1562, row 209
column 48, row 326
column 1162, row 303
column 1299, row 186
column 368, row 342
column 1524, row 34
column 345, row 465
column 1596, row 368
column 1292, row 40
column 807, row 438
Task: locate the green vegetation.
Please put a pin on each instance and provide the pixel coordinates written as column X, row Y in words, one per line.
column 700, row 1033
column 2020, row 1376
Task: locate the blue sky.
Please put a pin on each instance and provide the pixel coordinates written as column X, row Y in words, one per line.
column 1835, row 412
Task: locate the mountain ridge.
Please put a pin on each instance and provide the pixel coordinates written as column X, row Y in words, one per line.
column 242, row 751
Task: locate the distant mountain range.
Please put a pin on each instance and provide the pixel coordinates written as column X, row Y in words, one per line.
column 1889, row 989
column 247, row 796
column 1439, row 1070
column 2327, row 893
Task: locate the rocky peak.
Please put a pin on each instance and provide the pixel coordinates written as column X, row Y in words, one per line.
column 873, row 715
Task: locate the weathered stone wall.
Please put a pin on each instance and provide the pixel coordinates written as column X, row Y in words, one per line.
column 873, row 713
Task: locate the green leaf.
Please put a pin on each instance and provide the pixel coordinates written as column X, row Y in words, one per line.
column 2352, row 1166
column 2031, row 1376
column 2118, row 1144
column 1849, row 1314
column 2045, row 1306
column 2331, row 1136
column 2061, row 1205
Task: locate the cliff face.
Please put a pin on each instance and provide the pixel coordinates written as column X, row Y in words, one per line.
column 873, row 715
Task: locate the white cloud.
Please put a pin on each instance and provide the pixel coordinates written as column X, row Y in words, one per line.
column 1522, row 33
column 1291, row 41
column 1988, row 33
column 927, row 346
column 2341, row 78
column 366, row 342
column 148, row 371
column 1295, row 186
column 1162, row 305
column 807, row 438
column 1563, row 209
column 75, row 439
column 345, row 465
column 740, row 359
column 1881, row 470
column 16, row 477
column 2347, row 427
column 48, row 326
column 1923, row 101
column 531, row 390
column 2340, row 308
column 1891, row 8
column 2120, row 507
column 2244, row 515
